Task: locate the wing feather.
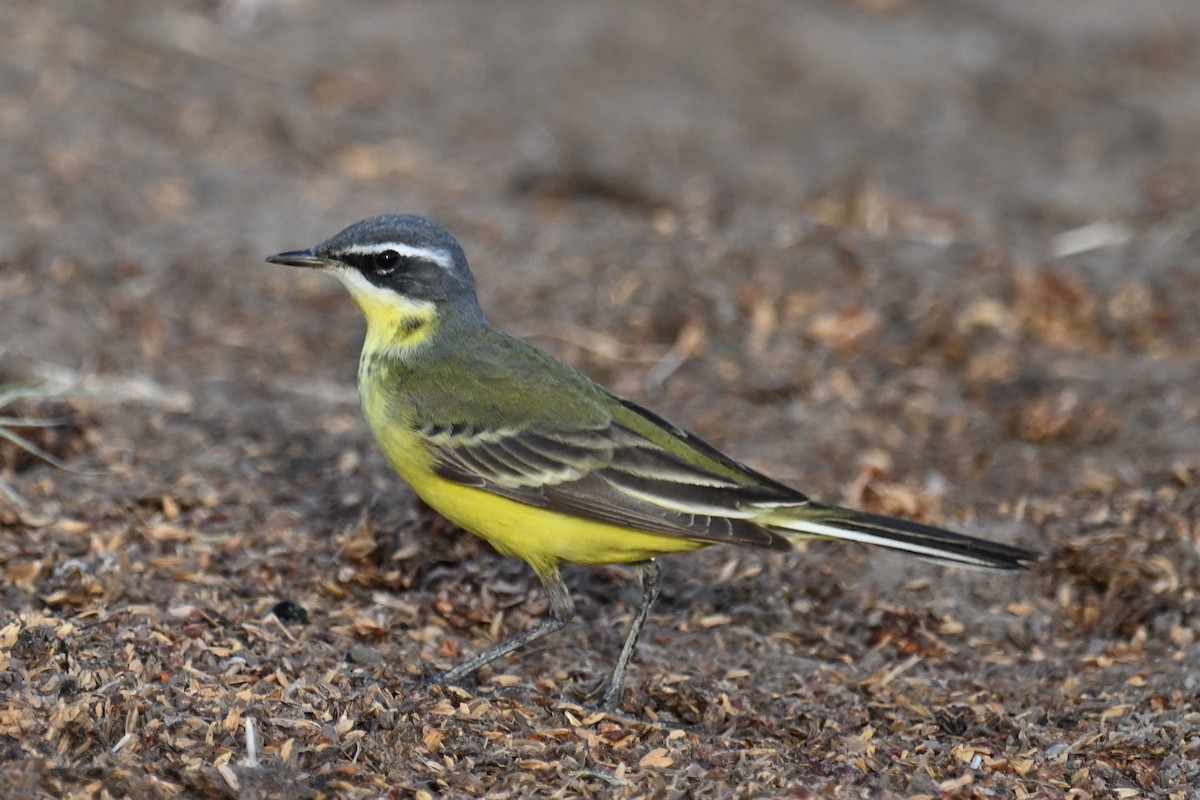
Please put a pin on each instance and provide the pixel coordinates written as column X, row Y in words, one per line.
column 608, row 474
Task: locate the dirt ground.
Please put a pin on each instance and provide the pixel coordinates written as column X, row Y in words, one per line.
column 931, row 258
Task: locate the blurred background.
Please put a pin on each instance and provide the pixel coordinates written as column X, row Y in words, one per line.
column 780, row 193
column 931, row 257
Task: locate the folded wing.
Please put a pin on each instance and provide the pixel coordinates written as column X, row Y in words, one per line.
column 611, row 474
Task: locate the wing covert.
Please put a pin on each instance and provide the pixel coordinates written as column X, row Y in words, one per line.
column 609, row 474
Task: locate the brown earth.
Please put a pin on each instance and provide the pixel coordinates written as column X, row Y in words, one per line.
column 931, row 258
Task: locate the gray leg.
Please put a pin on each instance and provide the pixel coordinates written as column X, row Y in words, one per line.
column 562, row 609
column 650, row 574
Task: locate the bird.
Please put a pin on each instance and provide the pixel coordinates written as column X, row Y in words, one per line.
column 517, row 447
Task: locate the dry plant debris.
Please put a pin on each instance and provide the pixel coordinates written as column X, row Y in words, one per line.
column 743, row 220
column 193, row 634
column 36, row 425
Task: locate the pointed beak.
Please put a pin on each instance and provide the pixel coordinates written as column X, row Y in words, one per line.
column 301, row 258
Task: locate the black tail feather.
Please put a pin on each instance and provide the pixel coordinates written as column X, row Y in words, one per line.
column 904, row 535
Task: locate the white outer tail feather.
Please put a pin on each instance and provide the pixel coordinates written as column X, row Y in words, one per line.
column 806, row 528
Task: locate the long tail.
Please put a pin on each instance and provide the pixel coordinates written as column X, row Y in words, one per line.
column 830, row 522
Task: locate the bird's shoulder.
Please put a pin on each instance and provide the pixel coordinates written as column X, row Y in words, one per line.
column 495, row 380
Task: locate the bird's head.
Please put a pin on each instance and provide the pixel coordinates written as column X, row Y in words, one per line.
column 404, row 271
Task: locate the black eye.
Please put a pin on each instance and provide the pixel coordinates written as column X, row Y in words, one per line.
column 387, row 260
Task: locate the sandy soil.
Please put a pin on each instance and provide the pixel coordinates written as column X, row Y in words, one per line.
column 929, row 258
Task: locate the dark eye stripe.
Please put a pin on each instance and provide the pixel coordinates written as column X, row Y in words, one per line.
column 387, row 260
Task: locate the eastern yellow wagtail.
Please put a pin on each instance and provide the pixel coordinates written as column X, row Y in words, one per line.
column 517, row 447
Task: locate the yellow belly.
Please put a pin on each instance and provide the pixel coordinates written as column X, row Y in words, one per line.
column 540, row 537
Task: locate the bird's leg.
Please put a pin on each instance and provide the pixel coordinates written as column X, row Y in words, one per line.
column 650, row 574
column 562, row 609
